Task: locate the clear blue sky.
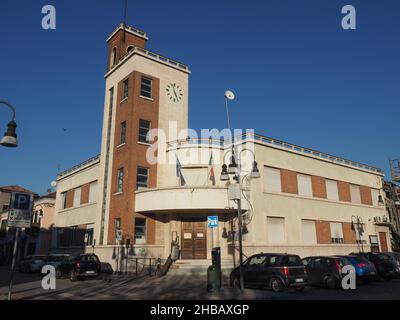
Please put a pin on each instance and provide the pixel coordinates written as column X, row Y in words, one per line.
column 297, row 74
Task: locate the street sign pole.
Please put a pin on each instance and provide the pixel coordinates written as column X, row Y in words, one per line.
column 13, row 262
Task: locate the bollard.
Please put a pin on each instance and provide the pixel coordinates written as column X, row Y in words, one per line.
column 213, row 279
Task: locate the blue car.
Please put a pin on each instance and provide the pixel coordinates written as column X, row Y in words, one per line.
column 365, row 270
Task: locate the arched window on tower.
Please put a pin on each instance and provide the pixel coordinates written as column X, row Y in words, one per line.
column 113, row 58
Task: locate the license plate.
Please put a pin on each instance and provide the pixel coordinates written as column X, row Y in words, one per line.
column 90, row 272
column 373, row 273
column 299, row 280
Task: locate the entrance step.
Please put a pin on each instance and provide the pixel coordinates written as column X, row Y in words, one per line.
column 198, row 267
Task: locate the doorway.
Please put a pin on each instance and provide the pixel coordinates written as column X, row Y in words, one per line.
column 383, row 241
column 194, row 239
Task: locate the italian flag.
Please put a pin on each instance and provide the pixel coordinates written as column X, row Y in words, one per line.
column 212, row 174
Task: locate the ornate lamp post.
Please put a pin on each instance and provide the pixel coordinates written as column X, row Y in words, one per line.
column 10, row 137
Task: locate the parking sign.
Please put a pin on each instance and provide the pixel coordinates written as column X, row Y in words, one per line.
column 20, row 215
column 212, row 221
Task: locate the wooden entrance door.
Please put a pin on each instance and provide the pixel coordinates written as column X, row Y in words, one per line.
column 194, row 239
column 383, row 241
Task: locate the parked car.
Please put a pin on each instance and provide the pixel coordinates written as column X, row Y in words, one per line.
column 33, row 263
column 395, row 259
column 79, row 267
column 365, row 270
column 383, row 264
column 272, row 271
column 56, row 260
column 325, row 271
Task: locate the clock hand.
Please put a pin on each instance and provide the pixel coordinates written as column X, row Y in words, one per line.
column 175, row 94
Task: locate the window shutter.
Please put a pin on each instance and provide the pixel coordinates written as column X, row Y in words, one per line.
column 355, row 193
column 276, row 230
column 309, row 232
column 332, row 190
column 272, row 179
column 304, row 185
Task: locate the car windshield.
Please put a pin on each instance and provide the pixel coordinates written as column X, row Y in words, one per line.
column 343, row 262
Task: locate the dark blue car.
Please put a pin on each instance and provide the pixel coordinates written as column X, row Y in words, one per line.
column 365, row 270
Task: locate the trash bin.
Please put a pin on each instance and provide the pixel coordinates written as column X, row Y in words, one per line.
column 213, row 279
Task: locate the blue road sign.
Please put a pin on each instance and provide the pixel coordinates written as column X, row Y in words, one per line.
column 20, row 213
column 212, row 222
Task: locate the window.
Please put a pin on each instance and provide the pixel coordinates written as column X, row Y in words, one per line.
column 64, row 200
column 332, row 192
column 145, row 88
column 130, row 48
column 117, row 226
column 140, row 230
column 120, row 180
column 93, row 192
column 126, row 89
column 374, row 243
column 304, row 185
column 309, row 231
column 122, row 133
column 375, row 197
column 272, row 179
column 276, row 230
column 142, row 178
column 336, row 232
column 144, row 128
column 195, row 176
column 257, row 260
column 77, row 197
column 355, row 193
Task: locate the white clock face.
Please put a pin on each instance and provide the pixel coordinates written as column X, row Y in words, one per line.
column 174, row 92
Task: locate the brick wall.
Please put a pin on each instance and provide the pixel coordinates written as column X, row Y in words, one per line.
column 132, row 154
column 289, row 181
column 70, row 198
column 366, row 196
column 85, row 193
column 344, row 191
column 349, row 235
column 323, row 229
column 318, row 187
column 117, row 42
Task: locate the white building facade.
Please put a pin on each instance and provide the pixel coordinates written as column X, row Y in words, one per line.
column 304, row 202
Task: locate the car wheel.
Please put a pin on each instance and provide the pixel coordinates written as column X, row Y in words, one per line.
column 276, row 285
column 73, row 276
column 236, row 282
column 330, row 282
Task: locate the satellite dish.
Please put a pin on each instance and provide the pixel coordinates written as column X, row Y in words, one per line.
column 229, row 95
column 53, row 184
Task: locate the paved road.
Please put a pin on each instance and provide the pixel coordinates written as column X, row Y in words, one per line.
column 176, row 288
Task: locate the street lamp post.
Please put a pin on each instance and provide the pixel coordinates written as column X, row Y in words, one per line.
column 10, row 137
column 235, row 169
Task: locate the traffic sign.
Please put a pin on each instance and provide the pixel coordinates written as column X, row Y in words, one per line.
column 212, row 221
column 20, row 215
column 119, row 235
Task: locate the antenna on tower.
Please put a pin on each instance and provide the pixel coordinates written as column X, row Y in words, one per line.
column 125, row 14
